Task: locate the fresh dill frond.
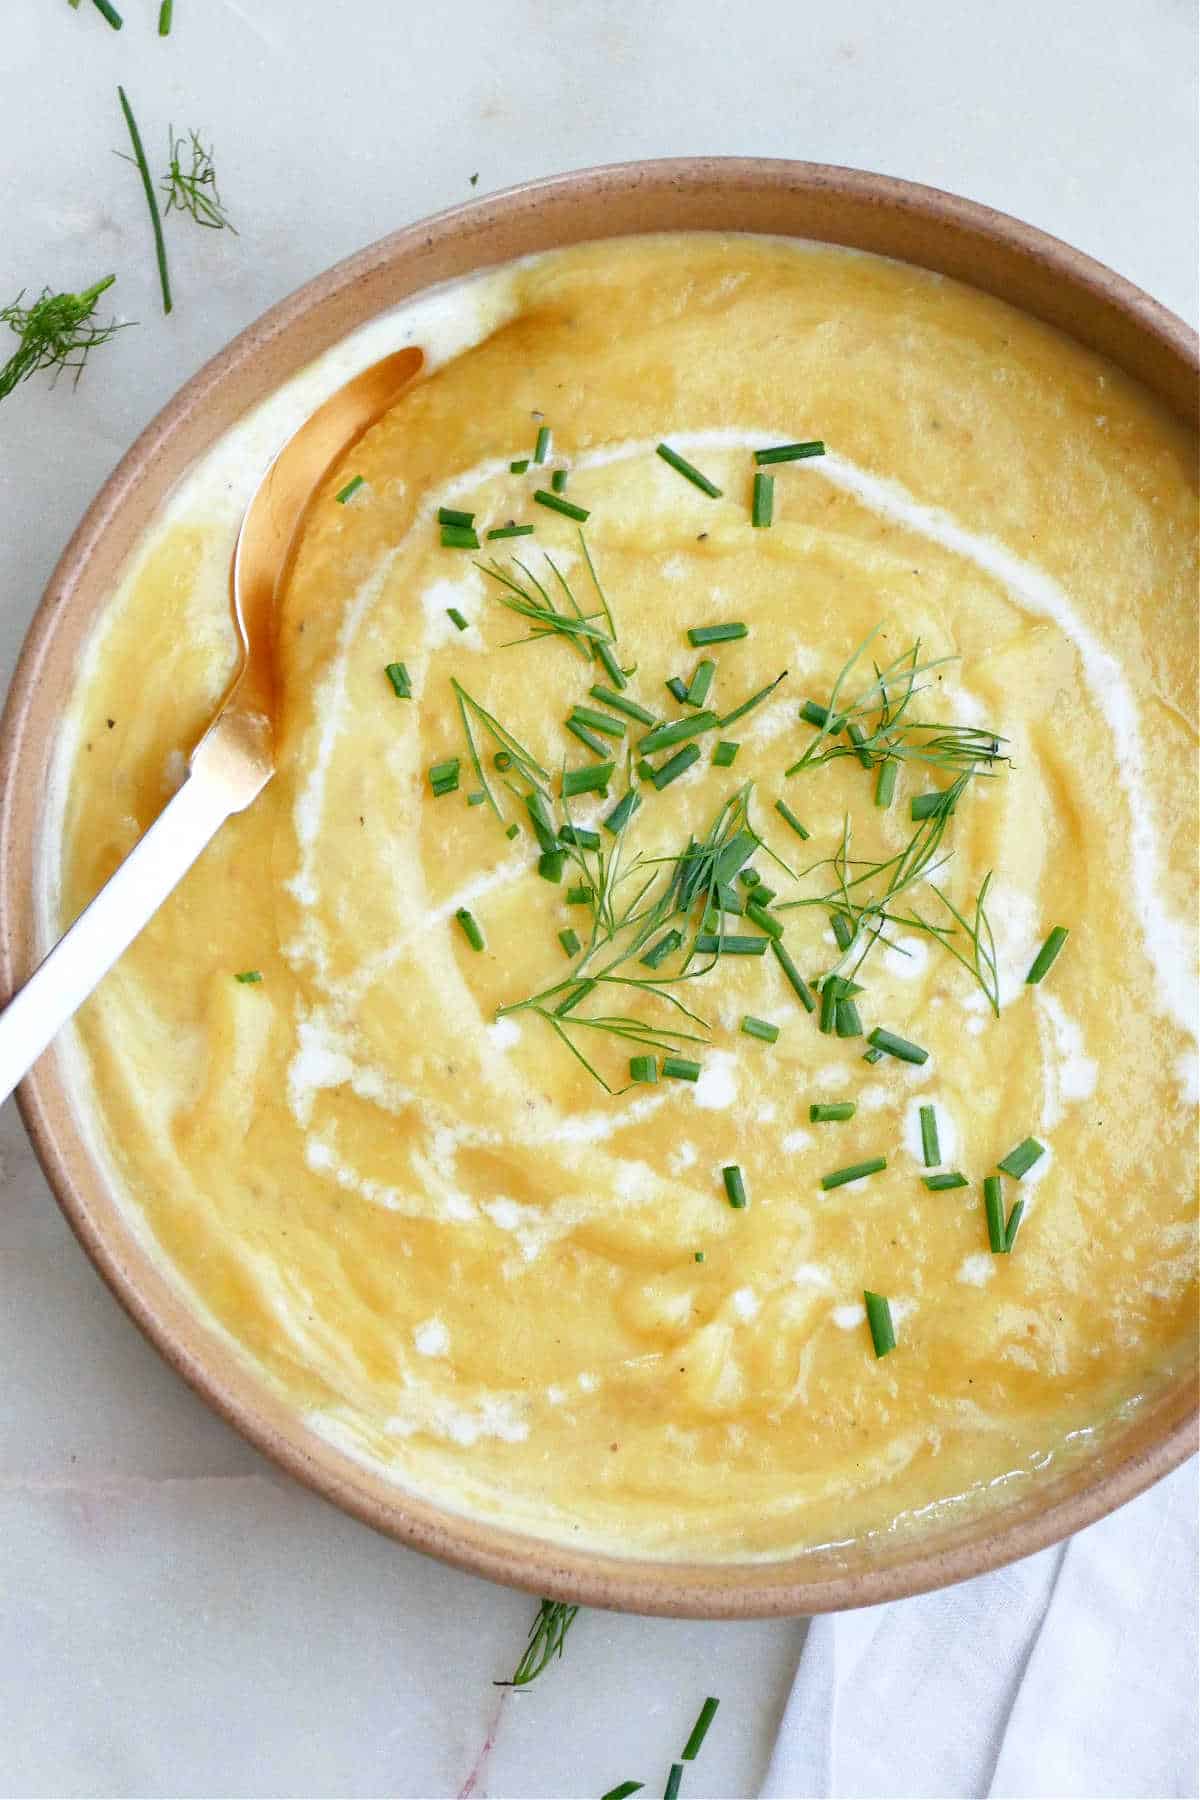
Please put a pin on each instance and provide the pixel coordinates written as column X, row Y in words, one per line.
column 58, row 331
column 520, row 761
column 530, row 600
column 193, row 189
column 547, row 1635
column 877, row 722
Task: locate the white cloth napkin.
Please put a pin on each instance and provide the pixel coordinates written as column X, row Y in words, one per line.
column 1071, row 1673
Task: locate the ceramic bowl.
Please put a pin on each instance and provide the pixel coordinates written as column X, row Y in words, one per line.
column 840, row 206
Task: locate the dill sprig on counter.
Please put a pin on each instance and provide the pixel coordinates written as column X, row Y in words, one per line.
column 138, row 159
column 193, row 189
column 547, row 1635
column 58, row 331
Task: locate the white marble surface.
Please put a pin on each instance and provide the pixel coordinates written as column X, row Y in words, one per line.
column 175, row 1618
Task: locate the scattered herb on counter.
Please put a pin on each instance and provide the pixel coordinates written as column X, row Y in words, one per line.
column 691, row 1749
column 194, row 190
column 58, row 331
column 166, row 17
column 139, row 161
column 547, row 1635
column 106, row 11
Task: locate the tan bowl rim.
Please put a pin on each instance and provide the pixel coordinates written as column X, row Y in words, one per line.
column 919, row 224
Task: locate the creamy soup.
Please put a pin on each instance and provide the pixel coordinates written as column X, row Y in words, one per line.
column 466, row 1084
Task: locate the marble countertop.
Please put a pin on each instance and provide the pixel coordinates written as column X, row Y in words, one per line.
column 176, row 1617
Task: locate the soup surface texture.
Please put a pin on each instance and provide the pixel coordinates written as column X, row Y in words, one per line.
column 382, row 1164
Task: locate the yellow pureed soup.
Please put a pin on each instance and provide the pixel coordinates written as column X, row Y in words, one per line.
column 395, row 1183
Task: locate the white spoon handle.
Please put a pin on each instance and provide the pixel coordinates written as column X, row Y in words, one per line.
column 106, row 928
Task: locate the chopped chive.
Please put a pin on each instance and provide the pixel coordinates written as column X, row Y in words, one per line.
column 750, row 878
column 788, row 816
column 1014, row 1225
column 477, row 798
column 993, row 1208
column 166, row 13
column 1018, row 1162
column 671, row 1791
column 832, row 1112
column 449, row 515
column 619, row 703
column 351, row 488
column 711, row 944
column 678, row 688
column 879, row 1319
column 781, row 453
column 934, row 806
column 658, row 953
column 899, row 1047
column 717, row 634
column 249, row 976
column 587, row 781
column 739, row 712
column 931, row 1149
column 675, row 731
column 814, row 714
column 459, row 620
column 885, row 782
column 622, row 812
column 519, row 467
column 569, row 940
column 557, row 504
column 587, row 736
column 858, row 738
column 541, row 448
column 795, row 980
column 582, row 895
column 708, row 1713
column 502, row 760
column 443, row 776
column 470, row 928
column 843, row 931
column 108, row 12
column 738, row 850
column 689, row 471
column 675, row 766
column 558, row 481
column 725, row 753
column 729, row 900
column 762, row 506
column 872, row 1055
column 762, row 893
column 581, row 836
column 550, row 865
column 643, row 1068
column 698, row 1256
column 1043, row 962
column 579, row 992
column 543, row 824
column 829, row 1000
column 940, row 1184
column 459, row 537
column 512, row 831
column 510, row 531
column 760, row 1028
column 854, row 1172
column 701, row 681
column 847, row 1022
column 599, row 721
column 623, row 1790
column 735, row 1187
column 401, row 682
column 765, row 920
column 612, row 667
column 143, row 169
column 679, row 1068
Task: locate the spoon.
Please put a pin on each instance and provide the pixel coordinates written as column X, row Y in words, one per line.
column 235, row 758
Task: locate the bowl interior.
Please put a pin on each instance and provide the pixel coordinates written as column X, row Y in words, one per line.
column 922, row 226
